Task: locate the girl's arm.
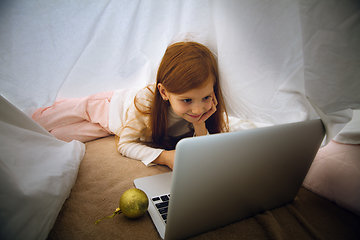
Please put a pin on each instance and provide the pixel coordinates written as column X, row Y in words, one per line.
column 200, row 129
column 147, row 154
column 131, row 143
column 138, row 151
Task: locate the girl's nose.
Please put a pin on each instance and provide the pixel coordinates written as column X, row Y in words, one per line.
column 198, row 109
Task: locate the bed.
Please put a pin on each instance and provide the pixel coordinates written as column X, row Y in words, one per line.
column 104, row 175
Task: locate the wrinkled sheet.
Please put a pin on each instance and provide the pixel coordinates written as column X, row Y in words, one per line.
column 276, row 58
column 37, row 172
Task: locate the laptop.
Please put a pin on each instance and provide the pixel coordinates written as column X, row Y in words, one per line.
column 223, row 178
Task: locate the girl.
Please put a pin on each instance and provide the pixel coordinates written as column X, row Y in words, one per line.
column 185, row 101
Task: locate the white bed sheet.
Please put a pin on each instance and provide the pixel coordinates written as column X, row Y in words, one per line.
column 37, row 172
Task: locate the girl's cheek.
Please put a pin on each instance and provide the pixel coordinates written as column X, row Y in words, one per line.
column 183, row 109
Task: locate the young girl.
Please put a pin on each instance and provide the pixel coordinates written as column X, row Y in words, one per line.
column 185, row 101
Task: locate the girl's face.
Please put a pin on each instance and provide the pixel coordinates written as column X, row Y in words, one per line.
column 191, row 105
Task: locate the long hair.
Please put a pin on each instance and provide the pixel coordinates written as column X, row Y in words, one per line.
column 186, row 66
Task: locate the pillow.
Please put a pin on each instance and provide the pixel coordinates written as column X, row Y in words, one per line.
column 37, row 172
column 335, row 175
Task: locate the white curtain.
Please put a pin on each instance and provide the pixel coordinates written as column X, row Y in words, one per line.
column 331, row 53
column 280, row 61
column 272, row 55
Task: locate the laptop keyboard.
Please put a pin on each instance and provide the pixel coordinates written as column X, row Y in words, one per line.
column 161, row 203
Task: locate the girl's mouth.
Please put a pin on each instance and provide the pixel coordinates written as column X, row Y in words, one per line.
column 195, row 116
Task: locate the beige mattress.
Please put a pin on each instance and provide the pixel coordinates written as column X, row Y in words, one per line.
column 104, row 175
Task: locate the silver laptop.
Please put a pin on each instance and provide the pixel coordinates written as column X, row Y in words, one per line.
column 223, row 178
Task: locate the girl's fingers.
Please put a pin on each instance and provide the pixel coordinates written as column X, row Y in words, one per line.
column 214, row 99
column 208, row 113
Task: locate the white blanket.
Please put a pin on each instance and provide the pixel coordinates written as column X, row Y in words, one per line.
column 37, row 172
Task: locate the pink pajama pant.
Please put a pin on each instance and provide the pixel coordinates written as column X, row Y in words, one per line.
column 82, row 119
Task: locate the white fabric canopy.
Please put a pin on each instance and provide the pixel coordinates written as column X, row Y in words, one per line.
column 280, row 61
column 272, row 55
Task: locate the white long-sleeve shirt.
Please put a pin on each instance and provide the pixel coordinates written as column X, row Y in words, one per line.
column 132, row 143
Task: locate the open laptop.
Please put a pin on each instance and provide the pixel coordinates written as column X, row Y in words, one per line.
column 223, row 178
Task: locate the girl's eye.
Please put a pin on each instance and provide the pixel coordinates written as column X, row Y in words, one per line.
column 186, row 100
column 207, row 98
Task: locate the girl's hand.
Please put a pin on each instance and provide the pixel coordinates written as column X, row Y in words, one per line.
column 211, row 111
column 199, row 126
column 166, row 158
